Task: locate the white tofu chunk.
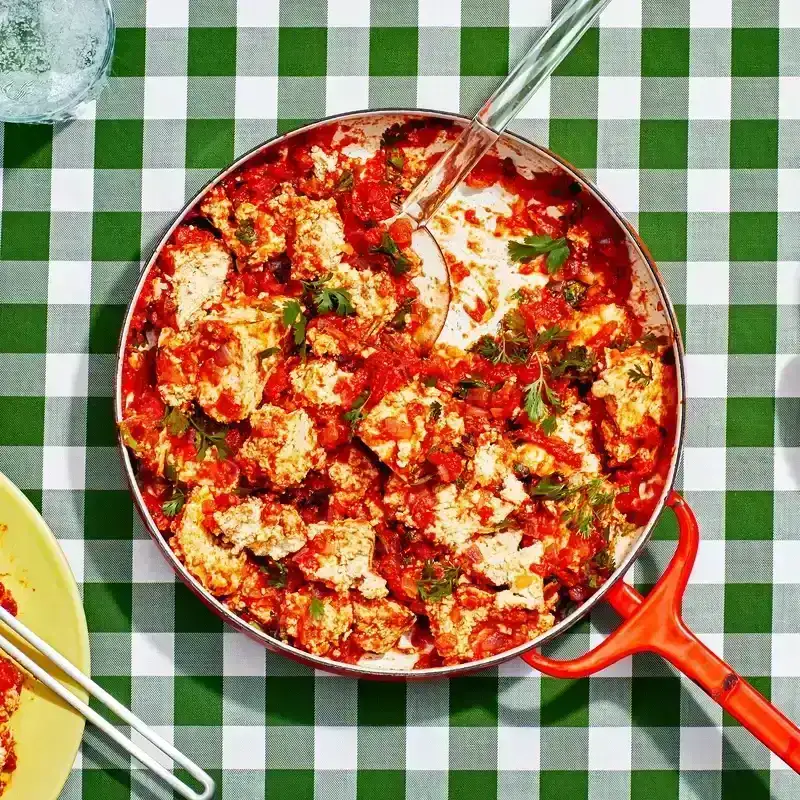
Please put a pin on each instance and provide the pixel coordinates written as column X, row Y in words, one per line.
column 319, row 382
column 379, row 624
column 198, row 279
column 318, row 242
column 317, row 624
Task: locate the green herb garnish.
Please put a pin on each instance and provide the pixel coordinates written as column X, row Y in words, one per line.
column 574, row 292
column 270, row 351
column 432, row 586
column 511, row 346
column 651, row 342
column 550, row 336
column 638, row 375
column 356, row 412
column 316, row 608
column 294, row 318
column 246, row 232
column 550, row 489
column 205, row 438
column 435, row 411
column 400, row 318
column 537, row 393
column 532, row 246
column 345, row 182
column 577, row 360
column 396, row 159
column 430, row 380
column 173, row 506
column 276, row 573
column 388, row 247
column 175, row 421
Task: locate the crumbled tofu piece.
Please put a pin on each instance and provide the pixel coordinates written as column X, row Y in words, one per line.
column 574, row 428
column 372, row 293
column 325, row 164
column 175, row 367
column 198, row 279
column 320, row 382
column 264, row 528
column 535, row 458
column 317, row 624
column 258, row 599
column 630, row 401
column 453, row 620
column 503, row 563
column 379, row 624
column 284, row 445
column 10, row 697
column 400, row 429
column 217, row 567
column 588, row 324
column 356, row 486
column 318, row 242
column 322, row 343
column 340, row 556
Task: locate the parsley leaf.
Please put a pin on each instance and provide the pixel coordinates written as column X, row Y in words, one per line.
column 345, row 182
column 173, row 506
column 294, row 318
column 470, row 382
column 577, row 360
column 246, row 232
column 511, row 346
column 549, row 425
column 400, row 318
column 550, row 489
column 432, row 586
column 316, row 608
column 532, row 246
column 270, row 351
column 550, row 336
column 638, row 375
column 329, row 300
column 388, row 247
column 535, row 395
column 276, row 573
column 205, row 438
column 574, row 292
column 396, row 159
column 175, row 421
column 651, row 342
column 581, row 516
column 435, row 411
column 393, row 134
column 430, row 380
column 356, row 412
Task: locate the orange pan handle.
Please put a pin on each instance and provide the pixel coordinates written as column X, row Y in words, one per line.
column 655, row 624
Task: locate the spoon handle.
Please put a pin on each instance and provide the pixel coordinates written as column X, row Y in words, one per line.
column 547, row 52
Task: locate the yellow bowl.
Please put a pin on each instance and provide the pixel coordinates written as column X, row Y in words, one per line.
column 32, row 566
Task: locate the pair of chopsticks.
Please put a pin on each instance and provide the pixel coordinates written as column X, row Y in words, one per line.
column 68, row 668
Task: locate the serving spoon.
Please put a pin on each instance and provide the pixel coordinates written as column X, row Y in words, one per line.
column 486, row 127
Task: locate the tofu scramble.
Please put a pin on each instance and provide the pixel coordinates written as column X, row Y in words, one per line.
column 11, row 680
column 344, row 487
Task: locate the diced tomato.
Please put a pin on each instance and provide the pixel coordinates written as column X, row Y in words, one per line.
column 400, row 230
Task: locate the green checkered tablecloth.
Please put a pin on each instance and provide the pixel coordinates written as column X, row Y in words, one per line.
column 688, row 116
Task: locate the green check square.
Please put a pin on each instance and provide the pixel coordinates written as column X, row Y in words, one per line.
column 191, row 614
column 295, row 783
column 762, row 684
column 101, row 430
column 24, row 328
column 755, row 52
column 209, row 143
column 118, row 143
column 750, row 422
column 105, row 324
column 680, row 316
column 664, row 232
column 748, row 608
column 119, row 687
column 655, row 784
column 656, row 702
column 665, row 52
column 288, row 125
column 116, row 236
column 290, row 700
column 474, row 784
column 584, row 59
column 566, row 784
column 302, row 52
column 663, row 144
column 129, row 53
column 393, row 51
column 198, row 700
column 22, row 421
column 35, row 496
column 753, row 236
column 575, row 140
column 25, row 236
column 212, row 51
column 752, row 329
column 27, row 146
column 754, row 144
column 666, row 528
column 565, row 703
column 484, row 51
column 745, row 785
column 381, row 703
column 108, row 607
column 749, row 515
column 107, row 514
column 473, row 703
column 110, row 784
column 388, row 784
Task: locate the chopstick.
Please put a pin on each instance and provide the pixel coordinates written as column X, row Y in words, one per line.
column 100, row 694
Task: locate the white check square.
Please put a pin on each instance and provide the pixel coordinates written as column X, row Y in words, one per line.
column 348, row 13
column 709, row 98
column 618, row 97
column 439, row 92
column 163, row 189
column 438, row 13
column 346, row 93
column 256, row 97
column 787, row 469
column 707, row 283
column 167, row 733
column 708, row 190
column 257, row 13
column 709, row 566
column 149, row 564
column 708, row 14
column 704, row 469
column 165, row 96
column 789, row 189
column 524, row 13
column 168, row 14
column 785, row 558
column 71, row 189
column 538, row 106
column 241, row 656
column 786, row 655
column 335, row 747
column 518, row 749
column 701, row 748
column 622, row 188
column 706, row 375
column 427, row 748
column 152, row 654
column 622, row 14
column 787, row 375
column 788, row 283
column 66, row 375
column 75, row 553
column 789, row 97
column 69, row 283
column 610, row 749
column 63, row 467
column 243, row 747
